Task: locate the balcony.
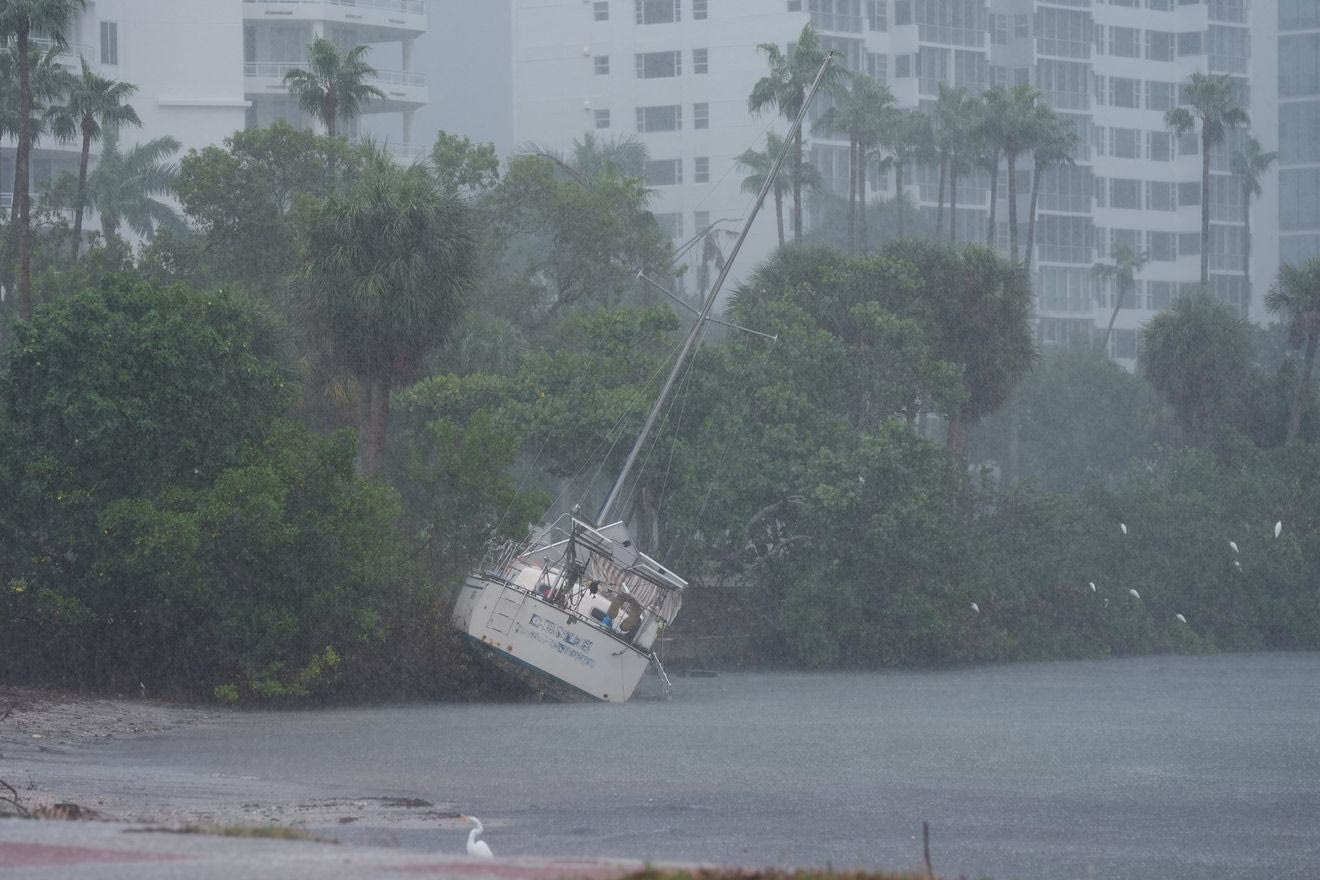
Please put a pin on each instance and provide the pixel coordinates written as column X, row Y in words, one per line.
column 387, row 19
column 72, row 51
column 404, row 89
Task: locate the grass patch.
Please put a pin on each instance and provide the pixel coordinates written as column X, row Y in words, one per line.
column 267, row 832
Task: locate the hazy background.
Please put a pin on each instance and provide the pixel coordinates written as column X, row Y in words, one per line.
column 466, row 56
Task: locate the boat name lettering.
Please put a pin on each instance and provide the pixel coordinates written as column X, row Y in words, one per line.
column 559, row 632
column 560, row 646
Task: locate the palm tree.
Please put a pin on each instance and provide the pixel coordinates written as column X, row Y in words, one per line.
column 19, row 20
column 759, row 164
column 785, row 89
column 386, row 264
column 1122, row 271
column 1296, row 295
column 1250, row 165
column 1055, row 143
column 95, row 103
column 334, row 86
column 990, row 132
column 624, row 156
column 859, row 112
column 955, row 114
column 50, row 82
column 1214, row 102
column 910, row 140
column 122, row 185
column 1019, row 120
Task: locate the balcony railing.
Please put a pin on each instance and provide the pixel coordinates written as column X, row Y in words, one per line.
column 277, row 70
column 413, row 7
column 45, row 44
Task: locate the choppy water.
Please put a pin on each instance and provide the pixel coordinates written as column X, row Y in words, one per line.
column 1146, row 768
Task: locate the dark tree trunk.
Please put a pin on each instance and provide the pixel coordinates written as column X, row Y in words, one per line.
column 373, row 434
column 797, row 186
column 81, row 198
column 953, row 203
column 898, row 189
column 852, row 193
column 779, row 214
column 1303, row 385
column 994, row 197
column 939, row 199
column 1205, row 207
column 956, row 438
column 1246, row 246
column 22, row 194
column 1036, row 173
column 861, row 199
column 1118, row 304
column 1012, row 206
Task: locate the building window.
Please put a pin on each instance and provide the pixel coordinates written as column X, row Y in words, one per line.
column 1124, row 92
column 668, row 117
column 602, row 65
column 109, row 42
column 1160, row 45
column 902, row 66
column 1190, row 44
column 902, row 12
column 1189, row 193
column 1125, row 344
column 1189, row 144
column 1163, row 246
column 1124, row 193
column 794, row 5
column 600, row 10
column 698, row 10
column 1021, row 25
column 657, row 11
column 1159, row 295
column 602, row 119
column 1189, row 244
column 1160, row 146
column 1160, row 5
column 877, row 66
column 664, row 172
column 878, row 14
column 700, row 60
column 701, row 115
column 1161, row 196
column 1124, row 42
column 1159, row 95
column 657, row 65
column 1124, row 143
column 701, row 169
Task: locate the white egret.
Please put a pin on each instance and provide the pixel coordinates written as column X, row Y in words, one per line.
column 1123, row 526
column 1091, row 584
column 976, row 608
column 1237, row 565
column 1134, row 594
column 1278, row 527
column 1233, row 544
column 475, row 847
column 1180, row 618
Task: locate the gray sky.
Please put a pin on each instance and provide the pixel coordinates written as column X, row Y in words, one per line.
column 466, row 57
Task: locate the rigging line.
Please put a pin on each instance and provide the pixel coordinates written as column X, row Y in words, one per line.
column 664, row 422
column 684, row 392
column 729, row 169
column 606, row 445
column 527, row 475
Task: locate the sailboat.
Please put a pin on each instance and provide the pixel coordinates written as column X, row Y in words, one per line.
column 576, row 610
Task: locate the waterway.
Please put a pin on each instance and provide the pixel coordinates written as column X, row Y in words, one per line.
column 1169, row 767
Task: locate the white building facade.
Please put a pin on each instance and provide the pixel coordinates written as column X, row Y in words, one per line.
column 207, row 68
column 676, row 75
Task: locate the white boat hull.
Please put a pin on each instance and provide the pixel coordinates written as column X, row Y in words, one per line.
column 557, row 650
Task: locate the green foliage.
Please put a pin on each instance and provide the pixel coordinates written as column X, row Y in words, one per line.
column 164, row 525
column 462, row 167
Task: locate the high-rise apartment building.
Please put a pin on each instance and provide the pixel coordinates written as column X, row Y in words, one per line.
column 207, row 68
column 676, row 75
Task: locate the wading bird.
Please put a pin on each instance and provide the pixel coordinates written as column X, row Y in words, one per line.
column 1233, row 544
column 476, row 847
column 1278, row 527
column 1123, row 526
column 1180, row 618
column 976, row 608
column 1134, row 594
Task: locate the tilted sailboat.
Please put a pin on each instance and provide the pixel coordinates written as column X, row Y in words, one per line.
column 576, row 610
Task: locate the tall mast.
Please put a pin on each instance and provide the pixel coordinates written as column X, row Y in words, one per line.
column 690, row 342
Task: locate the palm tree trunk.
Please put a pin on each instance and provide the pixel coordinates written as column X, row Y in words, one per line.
column 939, row 199
column 1012, row 206
column 1303, row 386
column 994, row 199
column 797, row 186
column 898, row 190
column 81, row 198
column 852, row 193
column 1246, row 245
column 779, row 214
column 861, row 199
column 953, row 203
column 22, row 193
column 1118, row 304
column 956, row 438
column 1036, row 173
column 373, row 435
column 1205, row 208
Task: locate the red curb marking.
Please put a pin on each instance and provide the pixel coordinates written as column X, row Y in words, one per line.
column 585, row 870
column 23, row 855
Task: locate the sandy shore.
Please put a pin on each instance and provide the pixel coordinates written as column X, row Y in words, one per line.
column 48, row 756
